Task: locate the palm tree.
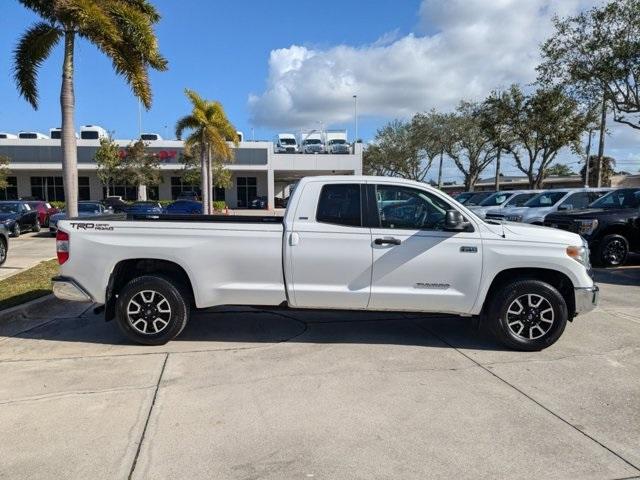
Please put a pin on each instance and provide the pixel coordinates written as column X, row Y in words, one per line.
column 121, row 29
column 211, row 131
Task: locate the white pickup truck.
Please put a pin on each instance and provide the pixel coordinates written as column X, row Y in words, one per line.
column 345, row 242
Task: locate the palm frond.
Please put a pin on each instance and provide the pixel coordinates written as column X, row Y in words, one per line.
column 32, row 49
column 44, row 8
column 188, row 122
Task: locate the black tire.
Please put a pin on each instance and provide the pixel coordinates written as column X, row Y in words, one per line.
column 36, row 227
column 534, row 320
column 3, row 250
column 612, row 251
column 15, row 231
column 133, row 324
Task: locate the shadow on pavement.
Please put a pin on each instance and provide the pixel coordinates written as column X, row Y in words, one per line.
column 275, row 326
column 629, row 275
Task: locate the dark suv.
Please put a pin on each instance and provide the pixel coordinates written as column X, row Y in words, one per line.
column 4, row 243
column 611, row 225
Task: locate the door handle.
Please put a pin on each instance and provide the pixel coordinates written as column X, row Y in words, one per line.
column 388, row 241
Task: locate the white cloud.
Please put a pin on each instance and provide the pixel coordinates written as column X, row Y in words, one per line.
column 475, row 46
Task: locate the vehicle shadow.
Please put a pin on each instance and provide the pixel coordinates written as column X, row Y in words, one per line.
column 627, row 275
column 256, row 326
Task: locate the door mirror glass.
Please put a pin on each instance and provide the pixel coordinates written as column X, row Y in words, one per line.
column 566, row 206
column 455, row 222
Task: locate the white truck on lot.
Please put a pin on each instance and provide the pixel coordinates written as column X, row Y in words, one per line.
column 345, row 242
column 336, row 141
column 285, row 143
column 312, row 142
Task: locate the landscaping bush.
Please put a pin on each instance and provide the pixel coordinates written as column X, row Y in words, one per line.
column 219, row 205
column 57, row 204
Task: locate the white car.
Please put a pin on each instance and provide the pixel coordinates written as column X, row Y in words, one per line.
column 508, row 199
column 547, row 202
column 345, row 242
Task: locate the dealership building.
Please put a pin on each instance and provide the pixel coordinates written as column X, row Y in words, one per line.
column 35, row 171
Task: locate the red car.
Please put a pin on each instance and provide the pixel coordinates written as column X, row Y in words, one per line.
column 45, row 210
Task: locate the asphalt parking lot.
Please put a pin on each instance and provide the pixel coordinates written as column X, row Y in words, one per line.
column 248, row 394
column 26, row 251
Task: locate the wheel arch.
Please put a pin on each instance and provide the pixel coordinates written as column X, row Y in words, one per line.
column 558, row 280
column 126, row 270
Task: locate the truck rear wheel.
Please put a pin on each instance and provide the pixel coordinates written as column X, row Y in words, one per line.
column 527, row 315
column 152, row 310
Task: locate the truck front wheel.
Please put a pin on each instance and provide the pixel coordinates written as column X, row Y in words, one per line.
column 527, row 315
column 613, row 251
column 151, row 310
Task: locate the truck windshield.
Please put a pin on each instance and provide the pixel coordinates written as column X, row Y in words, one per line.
column 625, row 198
column 496, row 199
column 337, row 142
column 477, row 198
column 545, row 199
column 519, row 199
column 9, row 207
column 88, row 207
column 288, row 141
column 312, row 141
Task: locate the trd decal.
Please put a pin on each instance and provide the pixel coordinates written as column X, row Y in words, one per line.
column 91, row 226
column 433, row 286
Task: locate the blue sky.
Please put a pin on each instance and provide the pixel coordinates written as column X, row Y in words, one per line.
column 220, row 49
column 286, row 65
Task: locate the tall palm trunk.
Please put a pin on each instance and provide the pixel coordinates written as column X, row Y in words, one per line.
column 209, row 178
column 68, row 141
column 204, row 180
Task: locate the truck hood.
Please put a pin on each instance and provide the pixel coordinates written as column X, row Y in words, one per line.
column 535, row 234
column 8, row 216
column 527, row 213
column 481, row 211
column 593, row 212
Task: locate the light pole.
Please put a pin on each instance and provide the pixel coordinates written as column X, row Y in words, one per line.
column 355, row 117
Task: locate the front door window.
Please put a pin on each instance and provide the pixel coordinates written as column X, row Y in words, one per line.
column 247, row 188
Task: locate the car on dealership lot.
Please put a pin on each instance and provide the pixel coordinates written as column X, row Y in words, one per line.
column 115, row 203
column 477, row 198
column 259, row 203
column 18, row 217
column 184, row 207
column 345, row 242
column 547, row 202
column 611, row 225
column 145, row 207
column 4, row 244
column 462, row 197
column 44, row 209
column 85, row 209
column 507, row 199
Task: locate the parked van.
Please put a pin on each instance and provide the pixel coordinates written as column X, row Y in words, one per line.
column 285, row 143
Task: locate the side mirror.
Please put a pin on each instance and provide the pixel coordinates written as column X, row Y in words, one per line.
column 454, row 222
column 566, row 206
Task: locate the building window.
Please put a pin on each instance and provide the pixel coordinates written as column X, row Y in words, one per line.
column 11, row 192
column 125, row 190
column 49, row 189
column 84, row 191
column 179, row 188
column 247, row 191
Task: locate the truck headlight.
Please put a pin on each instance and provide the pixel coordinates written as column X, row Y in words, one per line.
column 587, row 227
column 579, row 254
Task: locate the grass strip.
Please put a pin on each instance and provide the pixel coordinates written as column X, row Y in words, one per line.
column 28, row 285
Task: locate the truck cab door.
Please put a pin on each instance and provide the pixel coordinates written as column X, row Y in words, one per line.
column 417, row 265
column 328, row 250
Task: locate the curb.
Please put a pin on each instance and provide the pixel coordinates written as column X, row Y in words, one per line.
column 11, row 310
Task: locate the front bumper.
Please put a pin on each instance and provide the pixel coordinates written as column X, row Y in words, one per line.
column 66, row 288
column 586, row 299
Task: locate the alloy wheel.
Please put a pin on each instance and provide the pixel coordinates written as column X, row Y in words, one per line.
column 615, row 251
column 149, row 312
column 3, row 252
column 530, row 316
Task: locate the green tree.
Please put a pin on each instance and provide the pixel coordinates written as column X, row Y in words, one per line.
column 540, row 125
column 596, row 53
column 139, row 167
column 395, row 153
column 109, row 163
column 468, row 144
column 607, row 171
column 429, row 134
column 560, row 170
column 211, row 131
column 4, row 171
column 121, row 29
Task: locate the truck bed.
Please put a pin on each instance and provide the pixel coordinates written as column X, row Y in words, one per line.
column 164, row 217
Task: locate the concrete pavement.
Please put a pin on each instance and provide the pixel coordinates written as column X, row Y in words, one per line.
column 26, row 251
column 247, row 394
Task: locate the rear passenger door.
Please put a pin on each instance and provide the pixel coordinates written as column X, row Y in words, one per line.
column 328, row 249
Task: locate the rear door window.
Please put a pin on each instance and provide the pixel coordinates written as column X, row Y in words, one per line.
column 340, row 204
